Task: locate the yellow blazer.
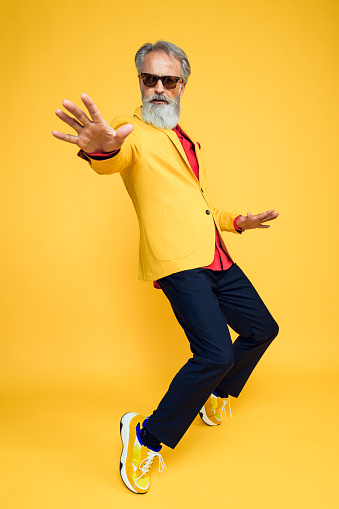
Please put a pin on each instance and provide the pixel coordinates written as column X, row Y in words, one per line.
column 175, row 219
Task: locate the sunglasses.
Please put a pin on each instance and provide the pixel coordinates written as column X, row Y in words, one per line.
column 150, row 80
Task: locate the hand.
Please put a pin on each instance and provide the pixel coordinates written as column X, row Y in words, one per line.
column 250, row 222
column 95, row 136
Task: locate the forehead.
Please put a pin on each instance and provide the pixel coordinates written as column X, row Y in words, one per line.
column 161, row 64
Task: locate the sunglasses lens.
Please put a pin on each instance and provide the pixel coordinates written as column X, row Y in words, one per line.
column 170, row 82
column 149, row 80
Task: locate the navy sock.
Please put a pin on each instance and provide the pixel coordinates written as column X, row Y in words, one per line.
column 149, row 440
column 220, row 393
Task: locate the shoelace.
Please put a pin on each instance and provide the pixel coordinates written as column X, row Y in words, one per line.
column 146, row 463
column 223, row 409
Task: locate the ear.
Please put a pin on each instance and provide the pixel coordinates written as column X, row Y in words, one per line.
column 183, row 85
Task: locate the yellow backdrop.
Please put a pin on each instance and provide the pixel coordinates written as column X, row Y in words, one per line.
column 82, row 340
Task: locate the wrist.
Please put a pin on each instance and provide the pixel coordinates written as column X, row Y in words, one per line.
column 238, row 221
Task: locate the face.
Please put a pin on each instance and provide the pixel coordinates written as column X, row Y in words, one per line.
column 160, row 105
column 161, row 64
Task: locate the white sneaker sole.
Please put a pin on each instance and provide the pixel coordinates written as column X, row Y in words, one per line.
column 124, row 433
column 205, row 419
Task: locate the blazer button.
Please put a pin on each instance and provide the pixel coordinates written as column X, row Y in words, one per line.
column 202, row 190
column 208, row 212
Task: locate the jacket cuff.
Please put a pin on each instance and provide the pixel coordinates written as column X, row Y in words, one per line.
column 236, row 227
column 97, row 157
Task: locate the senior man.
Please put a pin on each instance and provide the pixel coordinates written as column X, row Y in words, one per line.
column 181, row 251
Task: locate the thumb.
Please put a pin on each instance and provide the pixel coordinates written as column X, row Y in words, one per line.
column 123, row 132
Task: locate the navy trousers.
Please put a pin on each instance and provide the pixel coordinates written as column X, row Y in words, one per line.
column 205, row 302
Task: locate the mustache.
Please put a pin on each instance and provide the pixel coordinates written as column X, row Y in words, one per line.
column 158, row 97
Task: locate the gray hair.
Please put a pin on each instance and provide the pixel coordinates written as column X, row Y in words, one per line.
column 165, row 47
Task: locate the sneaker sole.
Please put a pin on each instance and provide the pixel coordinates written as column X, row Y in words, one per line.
column 205, row 419
column 124, row 433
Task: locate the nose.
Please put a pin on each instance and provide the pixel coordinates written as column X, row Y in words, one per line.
column 159, row 87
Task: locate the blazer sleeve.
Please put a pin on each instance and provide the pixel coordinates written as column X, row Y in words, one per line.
column 225, row 220
column 129, row 154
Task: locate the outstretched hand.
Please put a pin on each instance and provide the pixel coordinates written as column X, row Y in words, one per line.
column 94, row 135
column 250, row 222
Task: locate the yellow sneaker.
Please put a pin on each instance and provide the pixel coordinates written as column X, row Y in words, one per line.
column 213, row 410
column 136, row 459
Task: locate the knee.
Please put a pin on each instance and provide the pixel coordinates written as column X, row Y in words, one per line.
column 266, row 333
column 227, row 364
column 275, row 329
column 272, row 330
column 219, row 358
column 223, row 362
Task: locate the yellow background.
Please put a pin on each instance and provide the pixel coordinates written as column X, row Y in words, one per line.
column 82, row 340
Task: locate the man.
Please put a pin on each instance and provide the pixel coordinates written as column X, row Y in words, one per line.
column 181, row 250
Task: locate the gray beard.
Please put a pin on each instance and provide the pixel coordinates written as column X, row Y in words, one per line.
column 163, row 116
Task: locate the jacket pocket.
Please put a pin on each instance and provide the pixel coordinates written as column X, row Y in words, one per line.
column 170, row 237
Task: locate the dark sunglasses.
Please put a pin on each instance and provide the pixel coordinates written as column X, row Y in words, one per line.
column 150, row 80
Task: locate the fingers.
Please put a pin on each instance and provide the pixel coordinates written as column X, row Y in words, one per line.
column 92, row 109
column 270, row 217
column 263, row 215
column 77, row 112
column 69, row 120
column 266, row 216
column 65, row 137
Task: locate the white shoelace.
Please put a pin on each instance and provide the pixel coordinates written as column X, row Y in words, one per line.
column 223, row 409
column 146, row 463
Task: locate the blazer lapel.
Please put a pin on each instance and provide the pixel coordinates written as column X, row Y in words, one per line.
column 174, row 138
